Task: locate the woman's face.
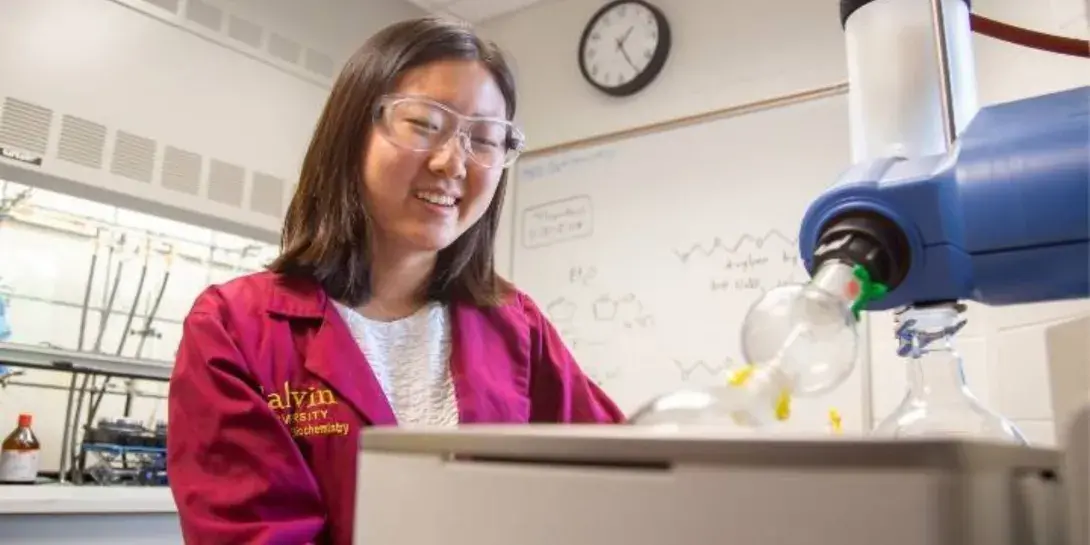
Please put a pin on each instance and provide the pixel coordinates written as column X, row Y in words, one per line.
column 422, row 200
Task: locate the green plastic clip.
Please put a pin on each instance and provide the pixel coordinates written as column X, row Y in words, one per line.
column 869, row 290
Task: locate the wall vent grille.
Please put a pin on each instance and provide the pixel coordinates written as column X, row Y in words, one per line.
column 169, row 5
column 25, row 126
column 181, row 171
column 81, row 142
column 246, row 36
column 319, row 63
column 284, row 48
column 267, row 195
column 245, row 31
column 134, row 157
column 204, row 14
column 226, row 183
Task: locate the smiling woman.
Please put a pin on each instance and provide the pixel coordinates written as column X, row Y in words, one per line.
column 430, row 196
column 408, row 138
column 383, row 307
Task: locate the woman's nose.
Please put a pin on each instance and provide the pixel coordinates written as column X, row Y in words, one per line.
column 450, row 159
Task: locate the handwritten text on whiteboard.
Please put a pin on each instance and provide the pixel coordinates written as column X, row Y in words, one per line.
column 545, row 168
column 557, row 221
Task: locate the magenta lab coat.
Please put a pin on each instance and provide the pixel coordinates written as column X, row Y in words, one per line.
column 269, row 392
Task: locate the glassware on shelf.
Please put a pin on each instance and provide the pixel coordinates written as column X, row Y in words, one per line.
column 797, row 339
column 20, row 454
column 938, row 402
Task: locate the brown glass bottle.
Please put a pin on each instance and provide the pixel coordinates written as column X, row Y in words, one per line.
column 19, row 454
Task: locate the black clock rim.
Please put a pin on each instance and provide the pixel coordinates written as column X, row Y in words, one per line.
column 654, row 66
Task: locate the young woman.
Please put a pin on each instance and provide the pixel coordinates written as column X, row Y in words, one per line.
column 382, row 309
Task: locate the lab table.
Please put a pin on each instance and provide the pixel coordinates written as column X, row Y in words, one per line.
column 55, row 514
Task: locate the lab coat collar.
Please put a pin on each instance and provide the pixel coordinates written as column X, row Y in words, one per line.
column 332, row 354
column 293, row 297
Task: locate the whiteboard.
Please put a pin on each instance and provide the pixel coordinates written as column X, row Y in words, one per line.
column 647, row 252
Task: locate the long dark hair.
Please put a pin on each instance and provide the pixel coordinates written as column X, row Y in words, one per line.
column 327, row 230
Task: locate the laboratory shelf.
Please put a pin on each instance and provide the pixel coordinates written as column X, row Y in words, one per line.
column 38, row 357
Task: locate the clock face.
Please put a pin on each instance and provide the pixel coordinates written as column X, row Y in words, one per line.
column 622, row 45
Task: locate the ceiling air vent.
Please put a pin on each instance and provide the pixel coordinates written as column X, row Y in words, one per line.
column 81, row 142
column 244, row 31
column 225, row 183
column 169, row 5
column 25, row 126
column 284, row 49
column 319, row 63
column 204, row 14
column 134, row 157
column 267, row 195
column 181, row 171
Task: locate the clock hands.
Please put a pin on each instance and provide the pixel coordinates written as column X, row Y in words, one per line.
column 623, row 39
column 620, row 47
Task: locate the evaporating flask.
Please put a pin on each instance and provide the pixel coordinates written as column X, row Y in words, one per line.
column 938, row 402
column 797, row 340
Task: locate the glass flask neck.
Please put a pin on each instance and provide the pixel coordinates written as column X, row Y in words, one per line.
column 935, row 371
column 838, row 279
column 937, row 377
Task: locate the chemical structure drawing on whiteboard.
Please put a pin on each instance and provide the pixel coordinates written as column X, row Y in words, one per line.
column 751, row 263
column 687, row 369
column 590, row 317
column 625, row 310
column 718, row 245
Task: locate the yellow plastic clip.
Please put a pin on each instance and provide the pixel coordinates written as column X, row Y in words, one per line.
column 835, row 422
column 740, row 376
column 783, row 406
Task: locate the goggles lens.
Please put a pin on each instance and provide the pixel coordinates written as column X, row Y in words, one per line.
column 422, row 125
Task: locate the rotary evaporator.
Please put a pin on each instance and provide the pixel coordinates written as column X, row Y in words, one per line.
column 944, row 204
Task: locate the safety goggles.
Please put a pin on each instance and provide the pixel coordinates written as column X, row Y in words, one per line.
column 419, row 124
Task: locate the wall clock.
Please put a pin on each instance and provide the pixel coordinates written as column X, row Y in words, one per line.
column 624, row 47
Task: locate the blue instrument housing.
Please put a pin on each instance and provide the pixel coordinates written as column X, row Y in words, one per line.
column 1001, row 219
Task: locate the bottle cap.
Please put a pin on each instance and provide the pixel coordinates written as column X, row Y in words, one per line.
column 24, row 420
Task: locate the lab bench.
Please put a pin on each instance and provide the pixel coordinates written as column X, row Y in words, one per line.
column 56, row 514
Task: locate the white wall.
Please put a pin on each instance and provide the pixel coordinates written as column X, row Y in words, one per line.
column 730, row 53
column 181, row 73
column 206, row 105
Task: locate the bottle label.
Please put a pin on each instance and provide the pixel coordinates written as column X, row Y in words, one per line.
column 19, row 466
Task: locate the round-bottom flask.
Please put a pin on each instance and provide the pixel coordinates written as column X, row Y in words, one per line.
column 797, row 339
column 938, row 402
column 752, row 404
